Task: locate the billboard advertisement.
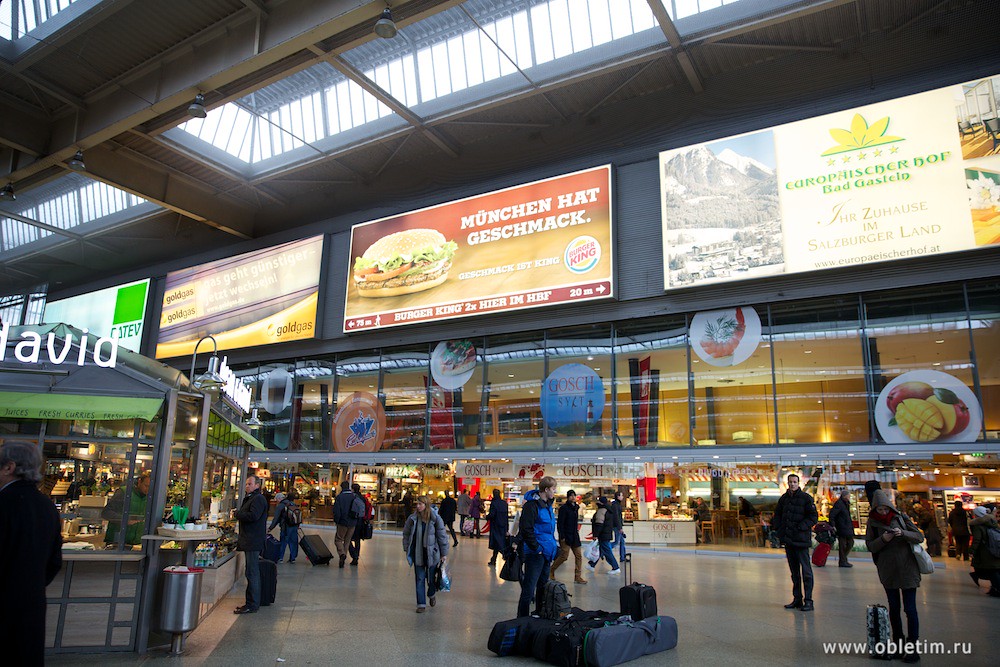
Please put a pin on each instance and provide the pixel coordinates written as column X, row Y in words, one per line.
column 263, row 297
column 538, row 244
column 909, row 177
column 115, row 312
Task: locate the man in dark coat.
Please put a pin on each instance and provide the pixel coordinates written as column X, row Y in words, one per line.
column 252, row 516
column 348, row 509
column 499, row 525
column 568, row 526
column 617, row 508
column 447, row 512
column 840, row 517
column 30, row 553
column 793, row 520
column 958, row 519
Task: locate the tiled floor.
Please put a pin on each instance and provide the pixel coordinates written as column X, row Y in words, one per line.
column 729, row 611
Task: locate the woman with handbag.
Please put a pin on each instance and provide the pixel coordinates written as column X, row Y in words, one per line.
column 425, row 543
column 892, row 536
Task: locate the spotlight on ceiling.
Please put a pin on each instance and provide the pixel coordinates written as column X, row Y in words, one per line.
column 385, row 27
column 197, row 108
column 76, row 163
column 7, row 194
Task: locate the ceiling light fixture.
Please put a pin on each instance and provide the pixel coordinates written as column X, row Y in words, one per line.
column 7, row 194
column 76, row 162
column 197, row 108
column 385, row 27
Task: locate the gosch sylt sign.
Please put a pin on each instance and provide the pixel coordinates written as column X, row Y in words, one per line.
column 33, row 348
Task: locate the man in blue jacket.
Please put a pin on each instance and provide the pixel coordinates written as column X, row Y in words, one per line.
column 252, row 516
column 538, row 542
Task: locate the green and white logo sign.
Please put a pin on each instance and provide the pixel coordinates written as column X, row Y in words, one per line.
column 115, row 312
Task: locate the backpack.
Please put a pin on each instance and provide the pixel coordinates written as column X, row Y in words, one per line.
column 555, row 600
column 993, row 541
column 293, row 516
column 357, row 507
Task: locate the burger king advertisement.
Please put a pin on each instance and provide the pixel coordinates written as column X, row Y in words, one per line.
column 539, row 244
column 259, row 298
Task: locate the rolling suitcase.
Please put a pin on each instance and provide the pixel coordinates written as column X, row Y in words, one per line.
column 615, row 644
column 637, row 600
column 877, row 621
column 268, row 582
column 316, row 550
column 272, row 549
column 820, row 554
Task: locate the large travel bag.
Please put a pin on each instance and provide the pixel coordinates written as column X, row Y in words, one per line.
column 637, row 600
column 365, row 530
column 316, row 550
column 552, row 641
column 504, row 638
column 565, row 643
column 615, row 644
column 268, row 582
column 272, row 549
column 877, row 622
column 820, row 554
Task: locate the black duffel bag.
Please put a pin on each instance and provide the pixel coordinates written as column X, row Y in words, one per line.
column 512, row 569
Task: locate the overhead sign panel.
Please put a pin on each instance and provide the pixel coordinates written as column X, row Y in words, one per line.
column 259, row 298
column 116, row 312
column 539, row 244
column 909, row 177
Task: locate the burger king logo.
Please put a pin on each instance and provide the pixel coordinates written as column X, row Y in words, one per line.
column 582, row 254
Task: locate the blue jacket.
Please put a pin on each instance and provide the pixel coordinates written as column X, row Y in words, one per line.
column 538, row 527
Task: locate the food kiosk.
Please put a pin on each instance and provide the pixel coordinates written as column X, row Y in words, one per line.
column 124, row 438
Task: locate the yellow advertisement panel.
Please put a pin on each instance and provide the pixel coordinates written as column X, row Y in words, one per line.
column 258, row 298
column 909, row 177
column 538, row 244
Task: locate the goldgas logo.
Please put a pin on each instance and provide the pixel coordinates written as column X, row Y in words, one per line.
column 582, row 254
column 860, row 135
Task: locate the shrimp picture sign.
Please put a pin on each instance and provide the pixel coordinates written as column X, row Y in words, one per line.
column 725, row 337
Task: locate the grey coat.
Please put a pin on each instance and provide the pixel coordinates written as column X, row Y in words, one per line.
column 463, row 503
column 897, row 566
column 436, row 538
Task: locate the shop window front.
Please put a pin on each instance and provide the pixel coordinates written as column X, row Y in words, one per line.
column 733, row 391
column 576, row 393
column 651, row 383
column 405, row 376
column 922, row 377
column 819, row 372
column 312, row 409
column 984, row 311
column 512, row 416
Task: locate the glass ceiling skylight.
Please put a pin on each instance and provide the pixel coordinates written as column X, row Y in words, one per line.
column 19, row 17
column 476, row 51
column 73, row 202
column 462, row 55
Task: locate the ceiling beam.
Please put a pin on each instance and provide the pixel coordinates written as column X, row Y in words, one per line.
column 145, row 178
column 676, row 44
column 766, row 21
column 385, row 98
column 62, row 35
column 778, row 47
column 164, row 84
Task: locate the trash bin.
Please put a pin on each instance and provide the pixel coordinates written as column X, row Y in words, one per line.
column 181, row 600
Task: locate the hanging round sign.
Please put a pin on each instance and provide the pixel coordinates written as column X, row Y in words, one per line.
column 276, row 391
column 572, row 399
column 359, row 425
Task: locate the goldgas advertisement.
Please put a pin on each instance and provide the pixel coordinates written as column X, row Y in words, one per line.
column 909, row 177
column 259, row 298
column 539, row 244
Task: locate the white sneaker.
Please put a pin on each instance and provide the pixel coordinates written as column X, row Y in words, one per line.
column 590, row 567
column 615, row 571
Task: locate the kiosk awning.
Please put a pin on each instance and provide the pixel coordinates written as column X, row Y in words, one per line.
column 25, row 405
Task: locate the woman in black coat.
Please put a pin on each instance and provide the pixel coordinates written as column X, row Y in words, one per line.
column 498, row 525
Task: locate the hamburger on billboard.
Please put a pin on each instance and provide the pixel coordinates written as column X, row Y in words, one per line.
column 538, row 244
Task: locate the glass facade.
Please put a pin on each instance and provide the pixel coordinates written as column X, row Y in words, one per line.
column 819, row 371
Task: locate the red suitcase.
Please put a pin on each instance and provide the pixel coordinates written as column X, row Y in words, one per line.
column 820, row 554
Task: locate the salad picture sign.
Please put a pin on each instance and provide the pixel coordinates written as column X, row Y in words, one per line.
column 725, row 337
column 453, row 362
